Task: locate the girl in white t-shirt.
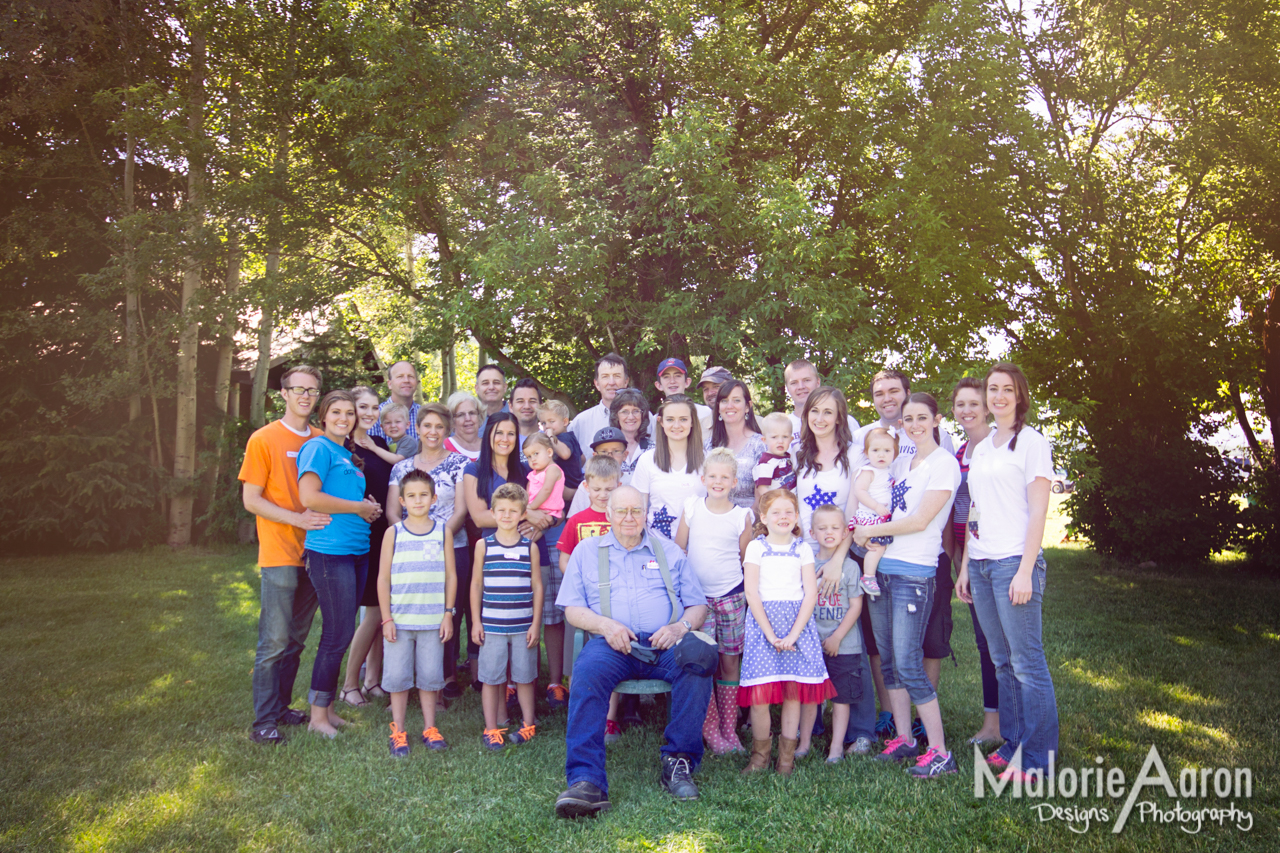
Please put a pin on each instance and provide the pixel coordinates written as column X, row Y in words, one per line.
column 920, row 505
column 715, row 532
column 872, row 489
column 824, row 471
column 1003, row 570
column 781, row 594
column 670, row 473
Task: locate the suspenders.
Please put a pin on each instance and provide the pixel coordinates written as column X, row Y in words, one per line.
column 659, row 553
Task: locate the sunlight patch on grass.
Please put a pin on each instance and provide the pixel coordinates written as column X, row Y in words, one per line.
column 238, row 598
column 678, row 842
column 133, row 824
column 174, row 593
column 1185, row 694
column 1093, row 679
column 1177, row 725
column 1186, row 641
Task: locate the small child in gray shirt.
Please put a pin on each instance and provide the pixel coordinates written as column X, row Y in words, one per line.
column 836, row 617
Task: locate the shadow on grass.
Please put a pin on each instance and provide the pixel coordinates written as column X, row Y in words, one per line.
column 127, row 730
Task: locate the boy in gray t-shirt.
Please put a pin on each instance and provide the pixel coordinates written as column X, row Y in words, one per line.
column 837, row 621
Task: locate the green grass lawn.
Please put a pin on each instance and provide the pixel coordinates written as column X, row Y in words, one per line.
column 128, row 704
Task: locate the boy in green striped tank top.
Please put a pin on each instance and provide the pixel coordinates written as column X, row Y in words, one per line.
column 417, row 586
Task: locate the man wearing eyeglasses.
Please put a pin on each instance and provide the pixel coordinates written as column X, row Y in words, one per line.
column 636, row 640
column 270, row 477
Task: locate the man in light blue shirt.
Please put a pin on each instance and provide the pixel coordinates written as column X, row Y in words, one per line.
column 636, row 639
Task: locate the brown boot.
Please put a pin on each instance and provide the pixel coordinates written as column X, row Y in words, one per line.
column 761, row 752
column 787, row 754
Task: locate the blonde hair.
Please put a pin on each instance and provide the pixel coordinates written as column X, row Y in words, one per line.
column 553, row 407
column 828, row 508
column 538, row 439
column 602, row 468
column 720, row 456
column 767, row 500
column 510, row 492
column 395, row 409
column 778, row 419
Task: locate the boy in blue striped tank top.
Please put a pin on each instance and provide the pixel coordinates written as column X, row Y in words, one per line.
column 417, row 585
column 506, row 590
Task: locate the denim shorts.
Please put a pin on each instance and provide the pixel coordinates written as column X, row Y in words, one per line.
column 416, row 658
column 497, row 650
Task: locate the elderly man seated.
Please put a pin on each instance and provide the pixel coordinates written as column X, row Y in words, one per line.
column 650, row 600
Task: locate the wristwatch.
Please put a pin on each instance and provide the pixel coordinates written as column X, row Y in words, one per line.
column 685, row 623
column 452, row 611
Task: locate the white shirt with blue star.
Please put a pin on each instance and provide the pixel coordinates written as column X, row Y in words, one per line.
column 666, row 492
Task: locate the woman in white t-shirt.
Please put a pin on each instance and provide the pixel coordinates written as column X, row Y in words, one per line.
column 823, row 462
column 670, row 473
column 920, row 505
column 1003, row 572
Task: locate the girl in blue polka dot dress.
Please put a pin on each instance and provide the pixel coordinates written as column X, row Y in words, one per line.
column 779, row 667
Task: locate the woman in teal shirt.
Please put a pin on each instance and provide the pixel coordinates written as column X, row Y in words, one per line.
column 330, row 480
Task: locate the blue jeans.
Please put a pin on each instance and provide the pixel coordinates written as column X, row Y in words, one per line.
column 1028, row 706
column 599, row 669
column 339, row 581
column 899, row 617
column 288, row 606
column 990, row 687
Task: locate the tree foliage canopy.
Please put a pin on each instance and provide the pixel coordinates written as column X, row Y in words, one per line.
column 1091, row 186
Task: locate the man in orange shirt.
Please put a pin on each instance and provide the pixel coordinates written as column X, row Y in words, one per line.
column 270, row 477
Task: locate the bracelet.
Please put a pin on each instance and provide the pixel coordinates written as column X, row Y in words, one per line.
column 385, row 621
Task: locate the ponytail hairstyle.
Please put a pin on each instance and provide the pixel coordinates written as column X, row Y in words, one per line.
column 932, row 405
column 1022, row 390
column 326, row 403
column 807, row 456
column 767, row 500
column 692, row 453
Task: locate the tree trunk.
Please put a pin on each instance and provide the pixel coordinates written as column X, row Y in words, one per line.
column 132, row 329
column 266, row 325
column 1271, row 366
column 131, row 295
column 184, row 444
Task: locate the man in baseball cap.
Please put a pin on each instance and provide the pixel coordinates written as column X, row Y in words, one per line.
column 673, row 378
column 712, row 379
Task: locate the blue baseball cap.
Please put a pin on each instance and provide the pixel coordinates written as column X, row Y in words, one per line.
column 669, row 363
column 606, row 435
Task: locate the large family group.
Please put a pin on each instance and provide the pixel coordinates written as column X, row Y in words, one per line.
column 747, row 561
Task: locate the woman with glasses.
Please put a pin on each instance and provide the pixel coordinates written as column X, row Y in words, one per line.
column 629, row 412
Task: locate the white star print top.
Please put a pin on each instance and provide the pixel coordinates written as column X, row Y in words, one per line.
column 666, row 491
column 815, row 488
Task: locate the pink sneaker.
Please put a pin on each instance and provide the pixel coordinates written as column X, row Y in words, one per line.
column 997, row 761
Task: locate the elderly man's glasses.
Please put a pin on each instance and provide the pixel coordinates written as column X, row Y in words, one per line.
column 299, row 390
column 629, row 512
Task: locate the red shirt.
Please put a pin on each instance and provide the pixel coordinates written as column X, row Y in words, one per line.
column 584, row 525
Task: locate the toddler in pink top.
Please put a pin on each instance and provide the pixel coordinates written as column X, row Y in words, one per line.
column 546, row 480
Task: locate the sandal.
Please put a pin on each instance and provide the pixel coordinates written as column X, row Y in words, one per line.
column 360, row 700
column 375, row 691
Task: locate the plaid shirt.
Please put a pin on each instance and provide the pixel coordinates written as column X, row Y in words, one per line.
column 376, row 429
